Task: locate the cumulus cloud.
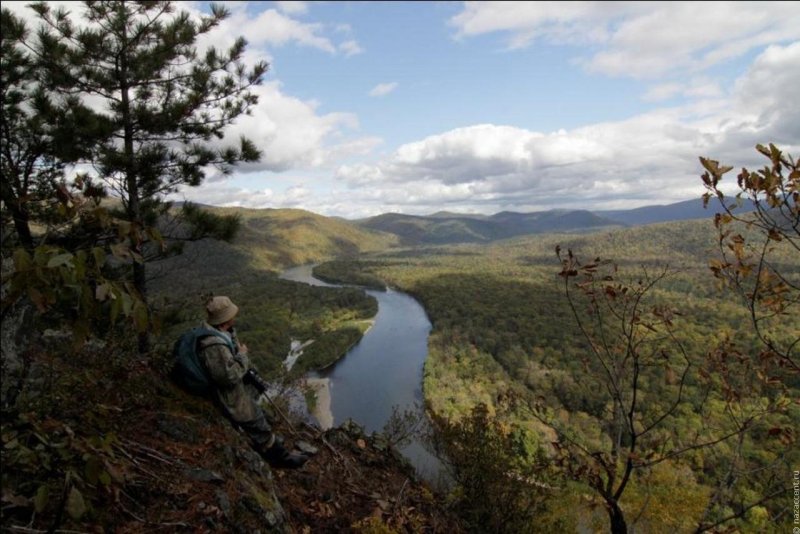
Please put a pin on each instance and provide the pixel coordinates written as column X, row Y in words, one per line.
column 697, row 88
column 22, row 10
column 648, row 158
column 663, row 91
column 292, row 8
column 271, row 27
column 638, row 39
column 771, row 83
column 224, row 194
column 383, row 89
column 277, row 27
column 292, row 134
column 350, row 48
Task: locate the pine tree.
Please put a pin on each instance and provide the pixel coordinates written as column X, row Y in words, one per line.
column 166, row 104
column 39, row 135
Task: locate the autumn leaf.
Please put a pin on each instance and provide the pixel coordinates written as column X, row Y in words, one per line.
column 76, row 506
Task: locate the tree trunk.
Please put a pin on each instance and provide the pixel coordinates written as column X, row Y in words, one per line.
column 21, row 224
column 139, row 281
column 618, row 524
column 132, row 183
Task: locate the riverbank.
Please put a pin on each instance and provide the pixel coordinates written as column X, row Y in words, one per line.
column 381, row 374
column 295, row 351
column 321, row 408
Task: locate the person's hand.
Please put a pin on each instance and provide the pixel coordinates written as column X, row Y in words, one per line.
column 242, row 359
column 242, row 348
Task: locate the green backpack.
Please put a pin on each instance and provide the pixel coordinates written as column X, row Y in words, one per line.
column 188, row 370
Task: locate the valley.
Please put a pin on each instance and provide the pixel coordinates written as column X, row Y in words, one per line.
column 506, row 337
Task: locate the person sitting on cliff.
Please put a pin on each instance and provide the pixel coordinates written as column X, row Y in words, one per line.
column 227, row 370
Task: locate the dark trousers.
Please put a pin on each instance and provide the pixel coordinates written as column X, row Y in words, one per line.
column 258, row 429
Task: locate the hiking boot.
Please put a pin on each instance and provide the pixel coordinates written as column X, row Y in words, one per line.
column 277, row 456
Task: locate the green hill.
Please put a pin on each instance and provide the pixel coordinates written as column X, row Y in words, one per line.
column 503, row 329
column 279, row 238
column 274, row 311
column 445, row 228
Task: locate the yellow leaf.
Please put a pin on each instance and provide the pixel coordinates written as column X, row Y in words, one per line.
column 41, row 498
column 76, row 507
column 102, row 292
column 22, row 260
column 59, row 261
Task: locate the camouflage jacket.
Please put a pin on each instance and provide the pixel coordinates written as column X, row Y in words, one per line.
column 226, row 371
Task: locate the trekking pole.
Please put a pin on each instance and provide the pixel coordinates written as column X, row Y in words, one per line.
column 261, row 385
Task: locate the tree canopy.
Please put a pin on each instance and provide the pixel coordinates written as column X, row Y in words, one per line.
column 125, row 85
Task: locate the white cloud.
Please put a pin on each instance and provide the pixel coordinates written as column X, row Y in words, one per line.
column 272, row 27
column 469, row 154
column 697, row 88
column 223, row 194
column 343, row 28
column 772, row 82
column 216, row 194
column 648, row 158
column 638, row 39
column 22, row 10
column 292, row 8
column 560, row 22
column 277, row 28
column 663, row 91
column 350, row 48
column 292, row 134
column 383, row 89
column 704, row 88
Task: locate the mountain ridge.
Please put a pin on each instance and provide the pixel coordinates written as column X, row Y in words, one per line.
column 294, row 236
column 444, row 227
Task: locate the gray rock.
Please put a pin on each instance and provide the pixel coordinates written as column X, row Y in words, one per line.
column 177, row 429
column 15, row 336
column 353, row 428
column 379, row 442
column 204, row 475
column 224, row 503
column 272, row 519
column 251, row 460
column 306, row 448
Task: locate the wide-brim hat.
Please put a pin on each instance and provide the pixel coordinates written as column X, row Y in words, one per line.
column 220, row 310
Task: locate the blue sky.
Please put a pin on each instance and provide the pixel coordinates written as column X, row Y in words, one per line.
column 416, row 107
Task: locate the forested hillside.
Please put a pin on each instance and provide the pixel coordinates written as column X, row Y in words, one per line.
column 505, row 329
column 445, row 227
column 274, row 311
column 279, row 238
column 599, row 378
column 95, row 437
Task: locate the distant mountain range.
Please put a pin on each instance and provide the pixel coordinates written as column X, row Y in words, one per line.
column 278, row 238
column 446, row 227
column 680, row 211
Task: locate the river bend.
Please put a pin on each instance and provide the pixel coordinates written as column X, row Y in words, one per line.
column 383, row 370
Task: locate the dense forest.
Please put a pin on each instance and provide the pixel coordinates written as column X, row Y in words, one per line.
column 595, row 379
column 276, row 311
column 100, row 273
column 505, row 327
column 510, row 381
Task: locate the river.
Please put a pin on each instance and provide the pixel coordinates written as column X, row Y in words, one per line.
column 382, row 371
